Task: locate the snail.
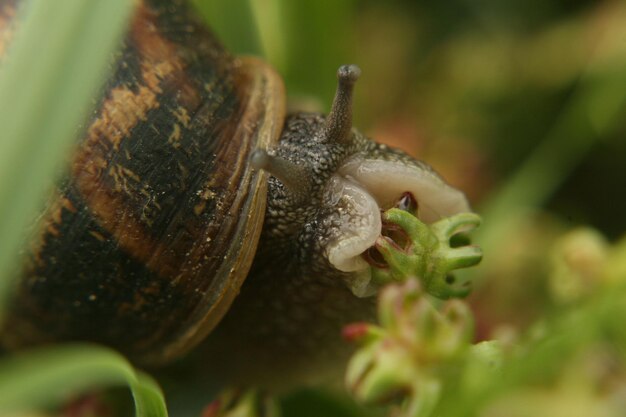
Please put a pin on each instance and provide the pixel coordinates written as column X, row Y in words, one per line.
column 190, row 179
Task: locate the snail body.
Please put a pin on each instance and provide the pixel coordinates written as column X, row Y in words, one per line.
column 166, row 208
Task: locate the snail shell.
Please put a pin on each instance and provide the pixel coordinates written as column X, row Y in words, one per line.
column 149, row 236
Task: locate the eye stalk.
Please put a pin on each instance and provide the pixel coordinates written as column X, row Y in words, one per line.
column 336, row 129
column 339, row 120
column 294, row 177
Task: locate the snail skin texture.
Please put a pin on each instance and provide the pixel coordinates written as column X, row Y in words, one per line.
column 189, row 179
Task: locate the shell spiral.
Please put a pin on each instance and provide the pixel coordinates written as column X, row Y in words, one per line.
column 148, row 237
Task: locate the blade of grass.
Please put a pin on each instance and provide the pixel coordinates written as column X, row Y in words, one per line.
column 47, row 376
column 269, row 17
column 53, row 70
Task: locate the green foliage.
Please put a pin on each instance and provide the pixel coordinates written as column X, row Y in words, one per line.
column 428, row 254
column 412, row 353
column 45, row 377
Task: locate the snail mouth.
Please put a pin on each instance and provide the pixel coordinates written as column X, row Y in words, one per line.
column 361, row 190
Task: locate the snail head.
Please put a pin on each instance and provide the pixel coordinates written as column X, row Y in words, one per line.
column 329, row 184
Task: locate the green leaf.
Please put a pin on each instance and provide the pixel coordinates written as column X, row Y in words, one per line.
column 46, row 376
column 48, row 79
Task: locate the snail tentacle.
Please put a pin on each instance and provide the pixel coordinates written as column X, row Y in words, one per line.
column 339, row 120
column 294, row 177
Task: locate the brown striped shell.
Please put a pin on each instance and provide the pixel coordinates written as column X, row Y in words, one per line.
column 147, row 240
